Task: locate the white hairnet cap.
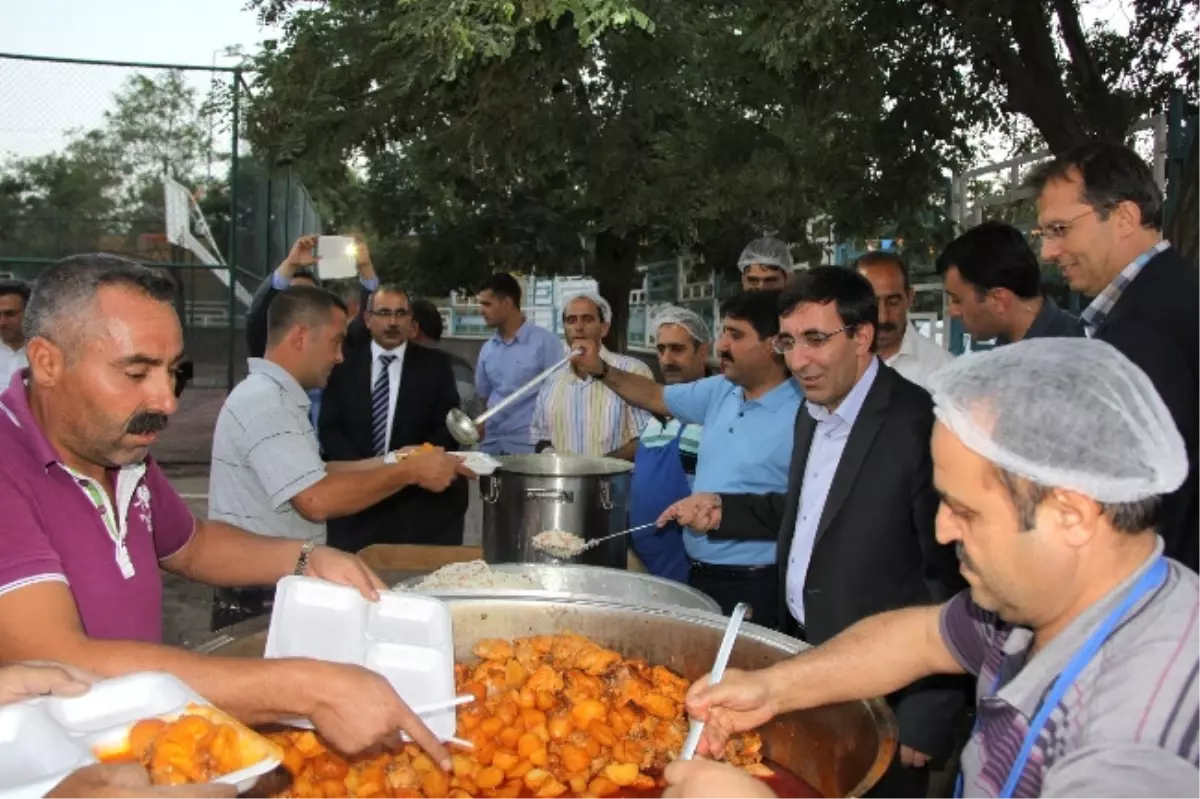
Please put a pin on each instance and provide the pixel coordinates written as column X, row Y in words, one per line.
column 601, row 303
column 1071, row 413
column 688, row 320
column 766, row 252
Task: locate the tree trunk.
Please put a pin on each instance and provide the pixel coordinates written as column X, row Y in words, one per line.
column 1181, row 229
column 615, row 270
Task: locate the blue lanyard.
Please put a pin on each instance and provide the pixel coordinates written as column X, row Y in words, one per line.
column 1154, row 577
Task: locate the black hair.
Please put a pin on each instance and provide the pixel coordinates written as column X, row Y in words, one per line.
column 1111, row 174
column 851, row 293
column 300, row 305
column 994, row 255
column 503, row 284
column 18, row 288
column 428, row 319
column 62, row 290
column 883, row 258
column 387, row 288
column 759, row 308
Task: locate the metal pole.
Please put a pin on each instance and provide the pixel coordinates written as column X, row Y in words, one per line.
column 231, row 261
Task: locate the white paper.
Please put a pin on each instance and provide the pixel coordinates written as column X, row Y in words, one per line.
column 336, row 258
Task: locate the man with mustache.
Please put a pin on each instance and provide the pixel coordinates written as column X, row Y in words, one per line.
column 856, row 523
column 1080, row 632
column 747, row 412
column 389, row 394
column 267, row 473
column 1100, row 212
column 664, row 466
column 14, row 296
column 897, row 343
column 89, row 518
column 574, row 414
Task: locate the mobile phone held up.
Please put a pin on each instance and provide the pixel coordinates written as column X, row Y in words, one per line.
column 336, row 257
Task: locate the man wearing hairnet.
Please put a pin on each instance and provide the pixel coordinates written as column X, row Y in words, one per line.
column 765, row 263
column 574, row 413
column 1052, row 457
column 664, row 466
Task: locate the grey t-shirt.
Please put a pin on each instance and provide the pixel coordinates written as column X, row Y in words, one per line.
column 265, row 453
column 1126, row 727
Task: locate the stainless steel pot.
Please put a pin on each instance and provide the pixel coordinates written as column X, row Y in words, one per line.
column 532, row 493
column 626, row 587
column 841, row 750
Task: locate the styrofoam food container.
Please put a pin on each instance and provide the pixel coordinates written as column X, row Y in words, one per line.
column 407, row 638
column 42, row 740
column 479, row 462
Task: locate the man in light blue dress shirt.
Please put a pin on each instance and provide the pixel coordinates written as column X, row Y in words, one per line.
column 748, row 413
column 517, row 353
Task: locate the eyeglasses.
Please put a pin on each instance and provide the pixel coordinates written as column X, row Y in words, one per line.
column 809, row 340
column 1057, row 230
column 391, row 313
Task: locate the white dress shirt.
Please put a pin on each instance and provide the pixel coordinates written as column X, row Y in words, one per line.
column 824, row 455
column 918, row 357
column 11, row 361
column 394, row 371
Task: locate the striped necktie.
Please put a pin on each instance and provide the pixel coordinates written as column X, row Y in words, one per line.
column 379, row 405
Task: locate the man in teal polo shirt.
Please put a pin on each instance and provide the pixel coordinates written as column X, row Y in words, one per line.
column 748, row 413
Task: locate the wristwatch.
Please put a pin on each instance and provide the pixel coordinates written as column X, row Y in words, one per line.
column 603, row 373
column 302, row 561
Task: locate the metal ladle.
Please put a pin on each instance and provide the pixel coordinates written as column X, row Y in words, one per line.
column 466, row 430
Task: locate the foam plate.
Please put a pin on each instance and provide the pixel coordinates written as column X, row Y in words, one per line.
column 407, row 638
column 43, row 740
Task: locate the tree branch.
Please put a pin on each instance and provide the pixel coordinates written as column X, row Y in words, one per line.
column 1081, row 55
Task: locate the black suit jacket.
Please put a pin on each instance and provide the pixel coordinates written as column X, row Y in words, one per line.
column 427, row 393
column 1155, row 324
column 875, row 548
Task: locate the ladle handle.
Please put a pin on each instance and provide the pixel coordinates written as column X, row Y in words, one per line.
column 520, row 392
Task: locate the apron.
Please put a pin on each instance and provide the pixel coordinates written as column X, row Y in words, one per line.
column 658, row 482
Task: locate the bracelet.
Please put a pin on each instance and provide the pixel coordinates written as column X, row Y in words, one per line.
column 302, row 561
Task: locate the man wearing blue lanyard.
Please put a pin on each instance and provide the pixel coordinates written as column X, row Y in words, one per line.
column 664, row 466
column 1052, row 457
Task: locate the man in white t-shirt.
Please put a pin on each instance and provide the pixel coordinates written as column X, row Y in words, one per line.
column 900, row 345
column 13, row 297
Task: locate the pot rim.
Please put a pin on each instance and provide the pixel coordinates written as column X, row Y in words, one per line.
column 562, row 466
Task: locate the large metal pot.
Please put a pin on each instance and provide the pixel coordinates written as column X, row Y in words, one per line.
column 532, row 493
column 626, row 587
column 841, row 750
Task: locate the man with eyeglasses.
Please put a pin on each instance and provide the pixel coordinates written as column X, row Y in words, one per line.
column 747, row 414
column 1101, row 215
column 391, row 393
column 856, row 524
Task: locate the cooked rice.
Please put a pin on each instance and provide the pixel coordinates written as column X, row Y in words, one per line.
column 474, row 574
column 559, row 543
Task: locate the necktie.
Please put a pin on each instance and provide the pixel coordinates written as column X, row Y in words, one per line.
column 379, row 405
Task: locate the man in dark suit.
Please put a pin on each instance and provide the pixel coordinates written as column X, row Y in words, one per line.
column 856, row 526
column 1101, row 216
column 388, row 394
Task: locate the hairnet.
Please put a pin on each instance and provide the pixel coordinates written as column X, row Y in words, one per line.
column 1069, row 413
column 601, row 303
column 766, row 252
column 688, row 320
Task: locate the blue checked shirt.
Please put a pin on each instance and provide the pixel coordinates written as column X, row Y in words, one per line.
column 1094, row 315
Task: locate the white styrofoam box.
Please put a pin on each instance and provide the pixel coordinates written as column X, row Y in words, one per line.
column 42, row 740
column 479, row 462
column 407, row 638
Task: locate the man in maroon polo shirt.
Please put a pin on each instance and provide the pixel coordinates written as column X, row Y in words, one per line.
column 89, row 518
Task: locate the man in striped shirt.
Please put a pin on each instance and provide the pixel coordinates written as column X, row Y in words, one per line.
column 1082, row 634
column 575, row 414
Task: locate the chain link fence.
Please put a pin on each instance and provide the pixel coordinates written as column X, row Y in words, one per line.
column 146, row 161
